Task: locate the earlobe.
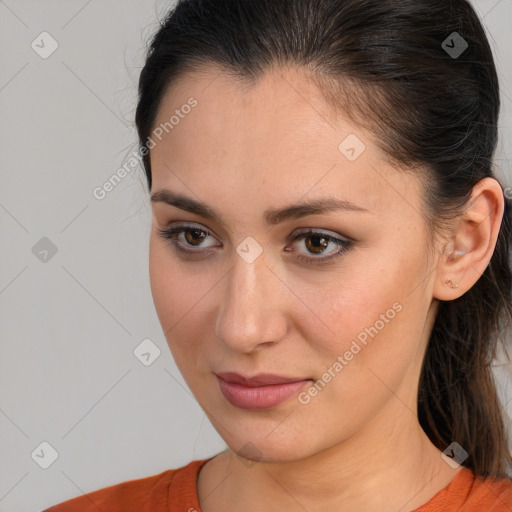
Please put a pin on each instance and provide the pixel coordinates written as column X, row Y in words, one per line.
column 466, row 255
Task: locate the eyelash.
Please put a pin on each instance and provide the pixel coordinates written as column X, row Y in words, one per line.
column 171, row 234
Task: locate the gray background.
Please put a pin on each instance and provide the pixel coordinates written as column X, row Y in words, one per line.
column 70, row 324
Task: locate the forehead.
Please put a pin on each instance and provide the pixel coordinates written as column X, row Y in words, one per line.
column 274, row 134
column 280, row 100
column 282, row 111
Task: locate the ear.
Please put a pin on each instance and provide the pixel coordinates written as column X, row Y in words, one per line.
column 466, row 252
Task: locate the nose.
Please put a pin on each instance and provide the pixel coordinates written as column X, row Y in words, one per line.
column 252, row 311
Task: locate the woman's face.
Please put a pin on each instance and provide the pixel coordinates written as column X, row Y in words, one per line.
column 348, row 307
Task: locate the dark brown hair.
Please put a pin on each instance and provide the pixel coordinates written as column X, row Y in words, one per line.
column 387, row 64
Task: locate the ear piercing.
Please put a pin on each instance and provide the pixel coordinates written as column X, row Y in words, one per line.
column 450, row 283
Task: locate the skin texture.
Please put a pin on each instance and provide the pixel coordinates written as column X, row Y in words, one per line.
column 357, row 445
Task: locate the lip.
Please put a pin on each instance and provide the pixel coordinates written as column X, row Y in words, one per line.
column 261, row 379
column 259, row 392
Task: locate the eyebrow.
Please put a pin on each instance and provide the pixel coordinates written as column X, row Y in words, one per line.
column 271, row 216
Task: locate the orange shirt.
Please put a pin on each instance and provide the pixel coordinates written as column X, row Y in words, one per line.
column 175, row 490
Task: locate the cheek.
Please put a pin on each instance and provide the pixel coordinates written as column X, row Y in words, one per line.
column 174, row 290
column 180, row 296
column 367, row 316
column 367, row 351
column 163, row 285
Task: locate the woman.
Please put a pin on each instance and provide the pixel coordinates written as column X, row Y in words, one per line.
column 329, row 256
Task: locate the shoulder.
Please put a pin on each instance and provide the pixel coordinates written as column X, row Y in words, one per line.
column 116, row 497
column 490, row 494
column 470, row 493
column 137, row 494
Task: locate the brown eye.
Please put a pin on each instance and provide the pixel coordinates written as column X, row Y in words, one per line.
column 319, row 243
column 316, row 243
column 188, row 240
column 195, row 235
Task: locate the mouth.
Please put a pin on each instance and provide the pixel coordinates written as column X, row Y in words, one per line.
column 259, row 392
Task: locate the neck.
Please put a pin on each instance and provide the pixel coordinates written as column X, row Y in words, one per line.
column 395, row 468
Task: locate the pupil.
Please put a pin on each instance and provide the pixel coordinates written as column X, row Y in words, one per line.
column 323, row 242
column 197, row 235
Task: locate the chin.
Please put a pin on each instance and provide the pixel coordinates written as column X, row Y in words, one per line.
column 264, row 449
column 264, row 436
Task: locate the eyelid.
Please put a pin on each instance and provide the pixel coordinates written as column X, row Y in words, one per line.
column 320, row 231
